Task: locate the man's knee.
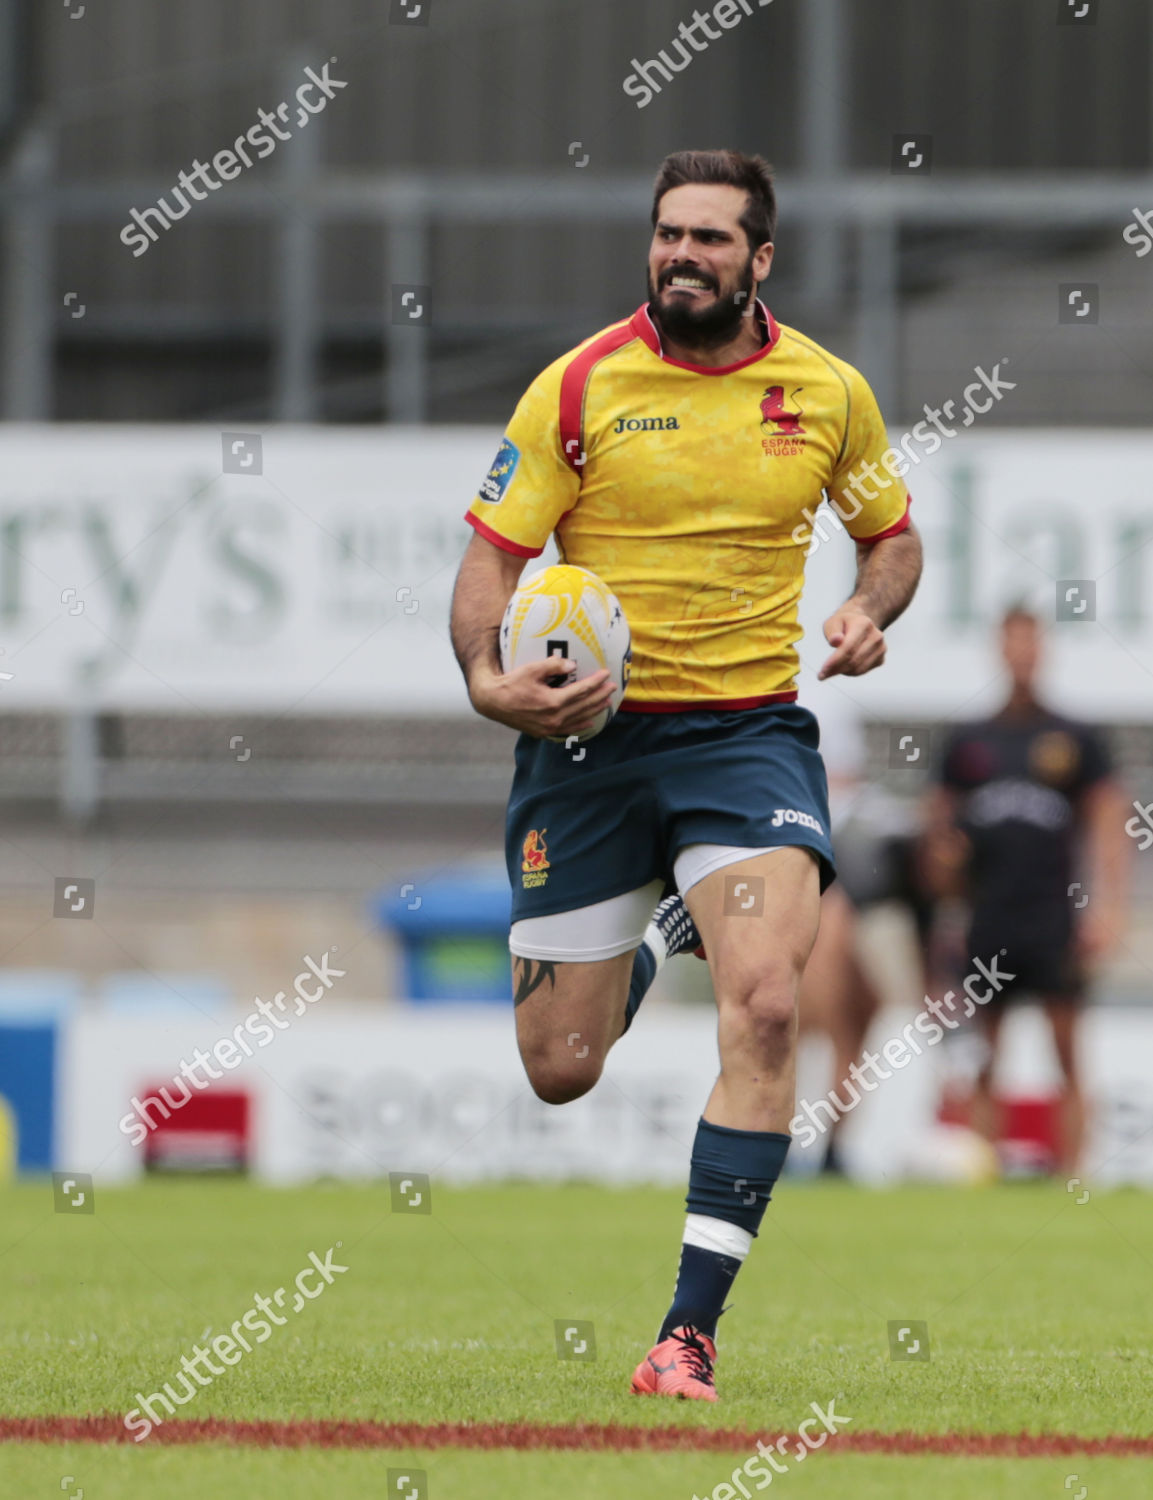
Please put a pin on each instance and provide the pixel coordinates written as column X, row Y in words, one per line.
column 1063, row 1023
column 764, row 1007
column 1067, row 1066
column 561, row 1073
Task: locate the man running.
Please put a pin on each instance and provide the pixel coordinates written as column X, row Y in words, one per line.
column 680, row 455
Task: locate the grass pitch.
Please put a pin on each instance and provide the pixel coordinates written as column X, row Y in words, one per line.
column 1035, row 1306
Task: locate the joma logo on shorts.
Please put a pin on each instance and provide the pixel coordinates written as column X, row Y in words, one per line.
column 783, row 815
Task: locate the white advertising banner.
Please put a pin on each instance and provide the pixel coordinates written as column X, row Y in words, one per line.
column 345, row 1091
column 349, row 1093
column 316, row 575
column 135, row 574
column 1061, row 522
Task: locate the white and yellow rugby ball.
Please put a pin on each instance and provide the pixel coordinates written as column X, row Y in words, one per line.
column 568, row 612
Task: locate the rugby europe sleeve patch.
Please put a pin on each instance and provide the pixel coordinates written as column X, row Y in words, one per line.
column 499, row 477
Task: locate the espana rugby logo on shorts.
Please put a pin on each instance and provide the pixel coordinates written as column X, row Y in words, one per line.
column 499, row 477
column 782, row 433
column 534, row 859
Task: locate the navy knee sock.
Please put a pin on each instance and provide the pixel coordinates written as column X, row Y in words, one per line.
column 731, row 1178
column 703, row 1281
column 644, row 972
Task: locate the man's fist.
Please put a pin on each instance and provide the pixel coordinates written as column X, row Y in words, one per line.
column 523, row 699
column 859, row 643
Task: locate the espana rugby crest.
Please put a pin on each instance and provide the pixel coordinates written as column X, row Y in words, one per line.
column 782, row 435
column 534, row 859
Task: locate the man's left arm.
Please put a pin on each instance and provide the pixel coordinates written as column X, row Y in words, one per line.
column 1108, row 855
column 888, row 572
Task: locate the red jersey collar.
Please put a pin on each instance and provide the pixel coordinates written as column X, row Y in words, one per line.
column 646, row 330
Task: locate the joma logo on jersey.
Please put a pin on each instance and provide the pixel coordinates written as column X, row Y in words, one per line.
column 647, row 424
column 782, row 433
column 782, row 815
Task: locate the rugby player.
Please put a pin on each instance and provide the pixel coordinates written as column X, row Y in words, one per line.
column 680, row 455
column 1018, row 795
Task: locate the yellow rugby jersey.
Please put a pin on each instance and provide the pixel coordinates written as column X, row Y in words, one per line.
column 692, row 491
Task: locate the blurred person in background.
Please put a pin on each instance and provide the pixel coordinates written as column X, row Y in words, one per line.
column 875, row 836
column 1025, row 802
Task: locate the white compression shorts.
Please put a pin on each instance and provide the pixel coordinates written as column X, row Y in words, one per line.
column 608, row 928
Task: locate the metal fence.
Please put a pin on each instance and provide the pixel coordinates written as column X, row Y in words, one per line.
column 865, row 213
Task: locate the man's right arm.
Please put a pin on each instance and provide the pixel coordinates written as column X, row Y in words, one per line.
column 522, row 699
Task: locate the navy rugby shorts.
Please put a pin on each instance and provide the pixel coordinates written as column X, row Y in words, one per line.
column 593, row 821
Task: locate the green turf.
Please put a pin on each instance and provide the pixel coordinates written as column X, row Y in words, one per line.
column 1035, row 1306
column 28, row 1470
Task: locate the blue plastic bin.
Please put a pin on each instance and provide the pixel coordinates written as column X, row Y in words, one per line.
column 453, row 936
column 34, row 1005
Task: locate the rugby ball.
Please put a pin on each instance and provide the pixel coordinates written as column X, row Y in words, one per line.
column 568, row 612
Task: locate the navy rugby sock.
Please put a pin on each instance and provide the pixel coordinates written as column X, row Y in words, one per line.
column 731, row 1180
column 644, row 972
column 670, row 931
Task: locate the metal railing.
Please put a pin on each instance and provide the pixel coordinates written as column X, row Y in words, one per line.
column 861, row 216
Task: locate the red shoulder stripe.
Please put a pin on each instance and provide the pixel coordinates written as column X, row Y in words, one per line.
column 573, row 385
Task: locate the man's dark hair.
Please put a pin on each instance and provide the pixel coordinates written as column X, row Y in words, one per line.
column 734, row 169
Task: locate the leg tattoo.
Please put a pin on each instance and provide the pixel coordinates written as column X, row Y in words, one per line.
column 529, row 980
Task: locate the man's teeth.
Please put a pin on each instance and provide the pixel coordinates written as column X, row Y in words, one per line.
column 690, row 281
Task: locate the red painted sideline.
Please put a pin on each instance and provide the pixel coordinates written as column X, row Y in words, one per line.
column 587, row 1437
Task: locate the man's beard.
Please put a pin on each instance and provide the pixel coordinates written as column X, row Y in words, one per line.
column 708, row 327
